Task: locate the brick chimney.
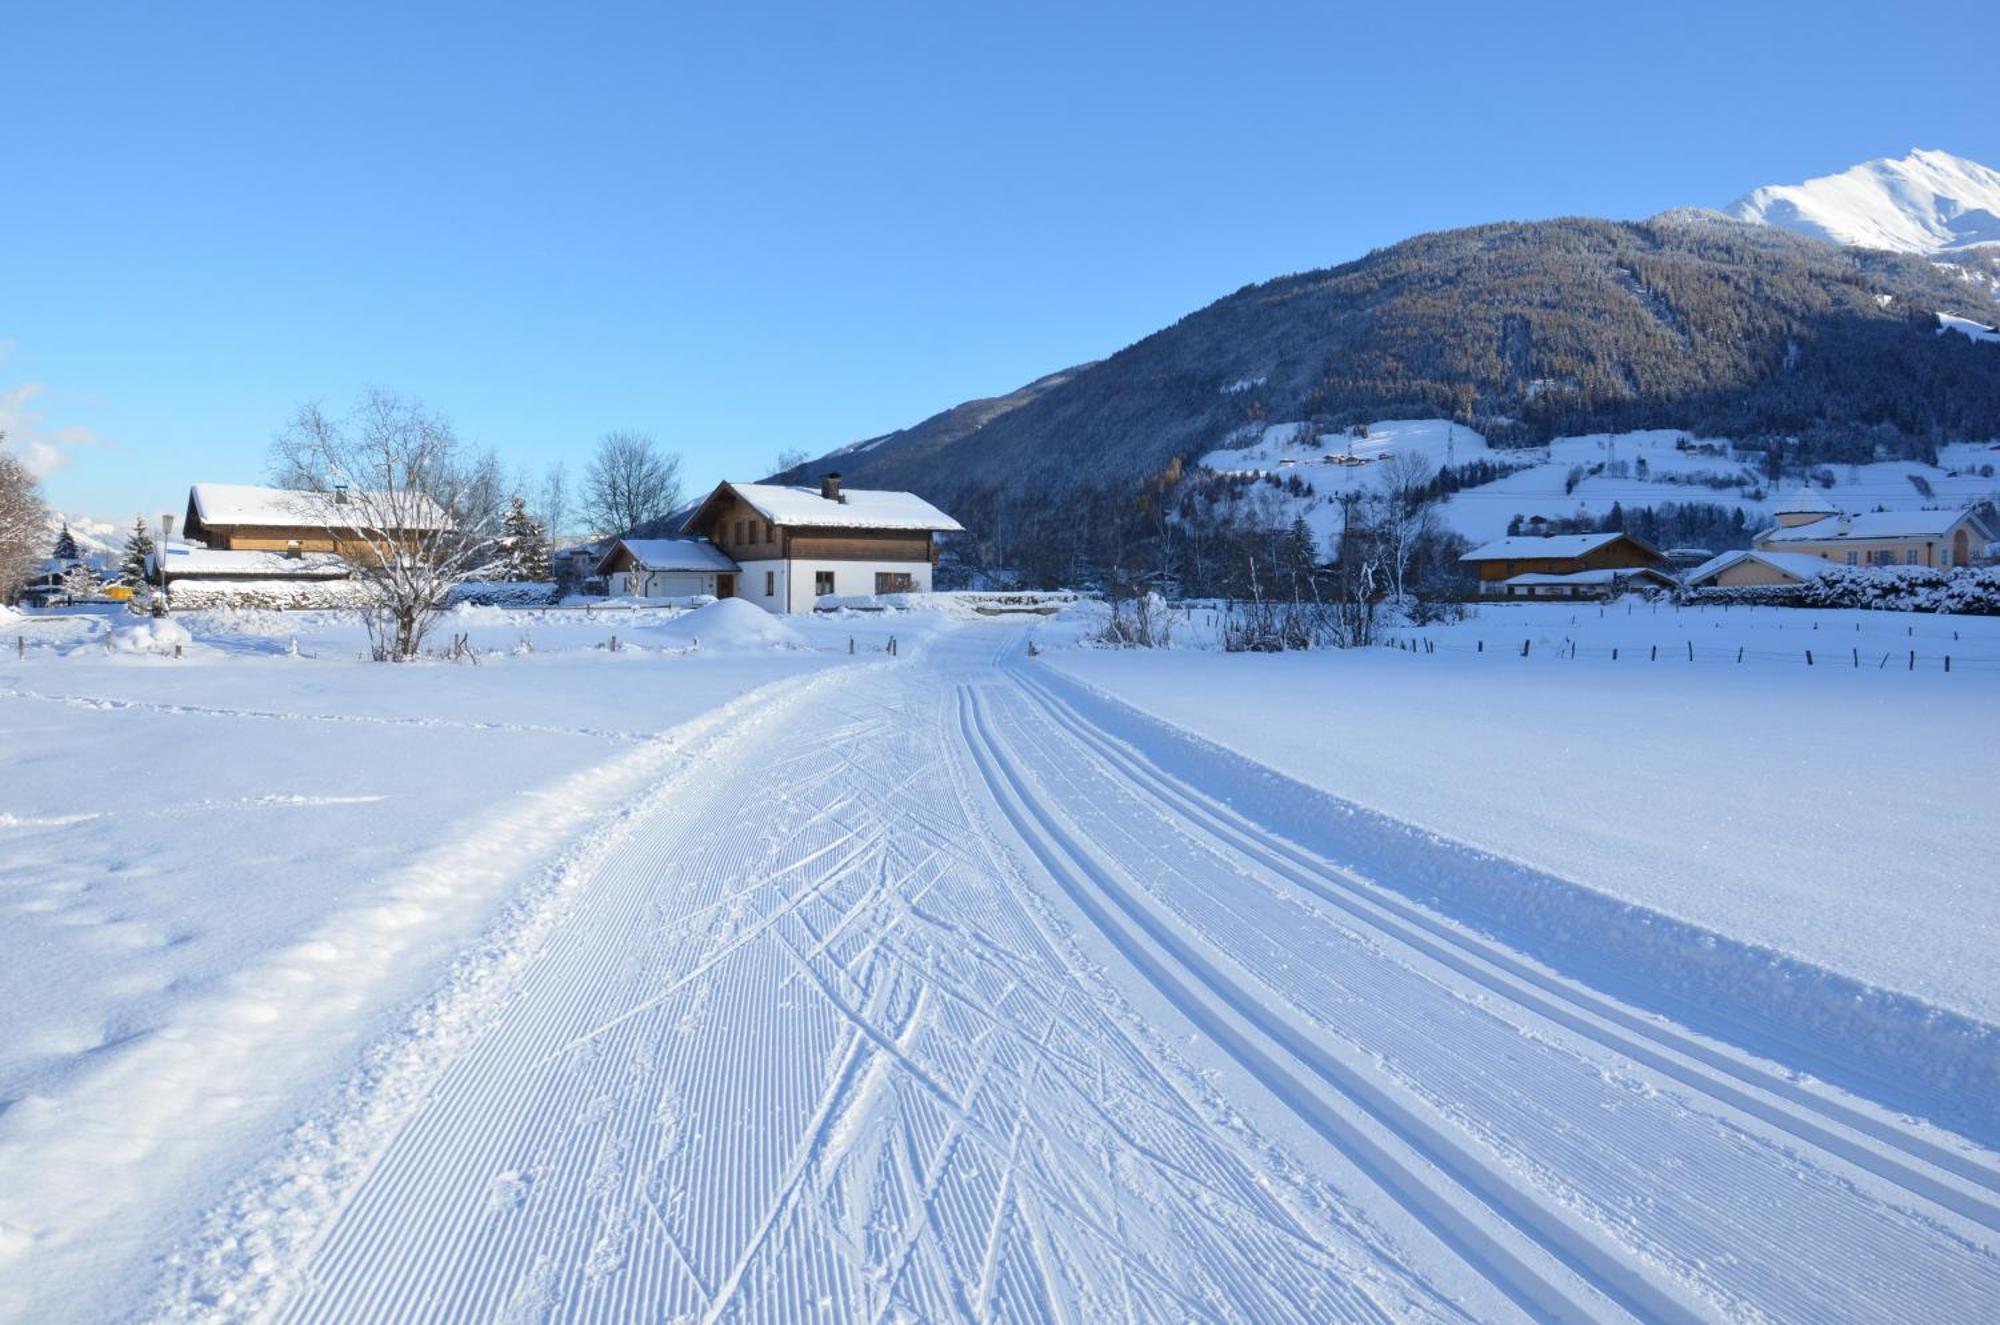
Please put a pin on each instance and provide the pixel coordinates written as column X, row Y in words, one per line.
column 829, row 487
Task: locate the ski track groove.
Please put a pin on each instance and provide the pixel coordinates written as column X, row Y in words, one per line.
column 1706, row 1233
column 862, row 1025
column 1643, row 1039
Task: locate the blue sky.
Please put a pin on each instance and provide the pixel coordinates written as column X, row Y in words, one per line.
column 747, row 228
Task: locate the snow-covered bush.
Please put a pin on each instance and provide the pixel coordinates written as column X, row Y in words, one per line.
column 1974, row 591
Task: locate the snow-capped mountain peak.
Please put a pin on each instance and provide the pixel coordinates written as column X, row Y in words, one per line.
column 1926, row 202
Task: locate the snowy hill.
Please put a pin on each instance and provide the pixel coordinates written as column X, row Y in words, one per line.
column 1582, row 476
column 101, row 542
column 1926, row 202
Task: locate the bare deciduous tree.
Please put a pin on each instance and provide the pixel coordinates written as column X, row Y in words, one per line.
column 413, row 509
column 1407, row 515
column 24, row 525
column 630, row 483
column 789, row 459
column 552, row 502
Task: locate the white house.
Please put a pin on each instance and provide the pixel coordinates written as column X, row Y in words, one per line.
column 665, row 568
column 793, row 545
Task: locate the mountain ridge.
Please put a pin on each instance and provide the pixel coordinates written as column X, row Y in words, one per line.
column 1926, row 202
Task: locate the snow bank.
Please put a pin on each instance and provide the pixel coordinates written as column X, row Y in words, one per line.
column 151, row 635
column 732, row 624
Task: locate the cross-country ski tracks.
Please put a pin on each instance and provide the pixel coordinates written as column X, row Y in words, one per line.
column 1694, row 1192
column 931, row 1001
column 763, row 1074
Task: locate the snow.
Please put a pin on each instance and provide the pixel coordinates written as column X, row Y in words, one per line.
column 250, row 504
column 677, row 554
column 1869, row 524
column 731, row 624
column 1965, row 326
column 1552, row 545
column 864, row 508
column 195, row 560
column 222, row 875
column 689, row 982
column 1765, row 800
column 1926, row 202
column 1545, row 481
column 151, row 635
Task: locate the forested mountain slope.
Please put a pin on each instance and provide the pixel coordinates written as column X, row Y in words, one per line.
column 1523, row 331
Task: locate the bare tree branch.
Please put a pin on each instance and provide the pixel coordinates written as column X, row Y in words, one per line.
column 411, row 510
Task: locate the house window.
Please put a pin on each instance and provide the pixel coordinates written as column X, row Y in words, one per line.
column 770, row 534
column 770, row 583
column 822, row 583
column 1882, row 558
column 1854, row 558
column 896, row 581
column 1910, row 557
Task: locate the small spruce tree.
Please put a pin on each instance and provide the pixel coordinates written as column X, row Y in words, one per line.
column 138, row 547
column 524, row 547
column 66, row 547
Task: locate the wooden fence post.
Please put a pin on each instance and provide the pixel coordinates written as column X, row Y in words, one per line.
column 1656, row 654
column 1739, row 653
column 1809, row 657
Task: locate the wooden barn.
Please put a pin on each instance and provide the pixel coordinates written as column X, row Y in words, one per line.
column 1567, row 565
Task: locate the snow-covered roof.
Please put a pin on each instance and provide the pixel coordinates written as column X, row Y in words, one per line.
column 672, row 554
column 1798, row 565
column 1529, row 546
column 184, row 561
column 1804, row 502
column 859, row 508
column 234, row 504
column 1606, row 576
column 1872, row 525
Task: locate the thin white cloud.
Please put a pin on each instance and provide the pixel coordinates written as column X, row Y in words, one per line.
column 43, row 448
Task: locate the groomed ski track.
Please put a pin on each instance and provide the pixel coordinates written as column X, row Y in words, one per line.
column 935, row 1002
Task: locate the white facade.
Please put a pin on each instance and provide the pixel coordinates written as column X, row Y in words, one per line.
column 640, row 583
column 780, row 585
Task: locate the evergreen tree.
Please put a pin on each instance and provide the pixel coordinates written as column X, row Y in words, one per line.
column 138, row 547
column 524, row 547
column 66, row 547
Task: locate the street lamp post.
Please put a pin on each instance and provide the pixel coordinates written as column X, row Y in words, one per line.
column 166, row 532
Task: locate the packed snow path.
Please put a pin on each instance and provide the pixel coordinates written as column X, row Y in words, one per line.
column 933, row 1002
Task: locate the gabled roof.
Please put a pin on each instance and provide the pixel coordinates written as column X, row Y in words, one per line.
column 238, row 504
column 1872, row 525
column 695, row 554
column 1798, row 565
column 1529, row 547
column 799, row 506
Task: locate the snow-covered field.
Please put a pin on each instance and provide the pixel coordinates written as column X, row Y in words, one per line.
column 730, row 975
column 1841, row 816
column 1638, row 469
column 252, row 839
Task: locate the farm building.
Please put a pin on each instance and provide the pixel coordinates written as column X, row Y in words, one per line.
column 1567, row 565
column 665, row 568
column 793, row 545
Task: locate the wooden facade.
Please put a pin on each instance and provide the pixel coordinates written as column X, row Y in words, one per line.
column 1622, row 553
